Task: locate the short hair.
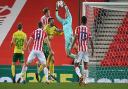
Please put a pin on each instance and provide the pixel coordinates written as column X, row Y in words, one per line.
column 84, row 19
column 45, row 10
column 19, row 26
column 40, row 25
column 50, row 19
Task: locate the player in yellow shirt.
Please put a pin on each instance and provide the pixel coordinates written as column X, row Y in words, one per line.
column 19, row 40
column 51, row 31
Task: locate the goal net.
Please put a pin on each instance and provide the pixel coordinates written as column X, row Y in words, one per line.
column 108, row 22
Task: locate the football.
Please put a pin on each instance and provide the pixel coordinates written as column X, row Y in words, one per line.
column 60, row 3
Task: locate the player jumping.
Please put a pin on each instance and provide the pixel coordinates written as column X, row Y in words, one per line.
column 44, row 20
column 51, row 30
column 67, row 28
column 45, row 17
column 19, row 39
column 39, row 36
column 82, row 35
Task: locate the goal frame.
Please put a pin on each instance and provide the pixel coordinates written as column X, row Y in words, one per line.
column 120, row 6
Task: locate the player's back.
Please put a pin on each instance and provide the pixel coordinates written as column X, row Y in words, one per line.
column 83, row 34
column 38, row 36
column 19, row 37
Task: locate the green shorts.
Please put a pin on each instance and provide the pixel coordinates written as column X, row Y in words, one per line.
column 18, row 56
column 46, row 50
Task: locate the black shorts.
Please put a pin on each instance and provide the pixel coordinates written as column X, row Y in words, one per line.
column 18, row 56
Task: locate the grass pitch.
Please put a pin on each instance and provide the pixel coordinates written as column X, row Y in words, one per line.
column 62, row 86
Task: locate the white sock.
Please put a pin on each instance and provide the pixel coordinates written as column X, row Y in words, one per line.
column 85, row 75
column 77, row 69
column 23, row 72
column 46, row 73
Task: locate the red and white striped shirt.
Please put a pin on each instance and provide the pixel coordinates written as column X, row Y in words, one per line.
column 83, row 34
column 38, row 36
column 44, row 20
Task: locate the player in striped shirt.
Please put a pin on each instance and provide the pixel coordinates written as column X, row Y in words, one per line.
column 51, row 31
column 45, row 17
column 82, row 36
column 38, row 36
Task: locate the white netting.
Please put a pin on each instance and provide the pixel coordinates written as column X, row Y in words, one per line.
column 108, row 23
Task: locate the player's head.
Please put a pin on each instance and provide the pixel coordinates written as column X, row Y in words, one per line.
column 83, row 20
column 51, row 21
column 40, row 25
column 46, row 11
column 19, row 26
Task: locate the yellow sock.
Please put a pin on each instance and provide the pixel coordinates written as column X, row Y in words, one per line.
column 40, row 68
column 13, row 70
column 51, row 67
column 48, row 60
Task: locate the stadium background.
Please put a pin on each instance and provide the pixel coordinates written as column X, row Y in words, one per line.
column 30, row 15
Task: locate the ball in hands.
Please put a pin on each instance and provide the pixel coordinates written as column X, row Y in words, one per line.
column 60, row 3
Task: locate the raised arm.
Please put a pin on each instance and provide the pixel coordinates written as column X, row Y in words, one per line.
column 57, row 15
column 67, row 11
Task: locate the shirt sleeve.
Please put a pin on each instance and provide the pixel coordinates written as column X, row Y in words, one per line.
column 59, row 18
column 68, row 13
column 58, row 32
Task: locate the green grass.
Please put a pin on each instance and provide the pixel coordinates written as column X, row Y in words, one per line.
column 61, row 86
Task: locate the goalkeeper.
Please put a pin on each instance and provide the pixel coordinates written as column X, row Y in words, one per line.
column 67, row 28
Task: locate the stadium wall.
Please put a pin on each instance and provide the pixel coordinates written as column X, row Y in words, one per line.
column 97, row 74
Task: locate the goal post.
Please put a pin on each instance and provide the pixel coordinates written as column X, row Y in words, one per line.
column 108, row 22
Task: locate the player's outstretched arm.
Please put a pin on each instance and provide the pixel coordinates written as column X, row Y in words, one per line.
column 57, row 15
column 28, row 43
column 59, row 31
column 67, row 11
